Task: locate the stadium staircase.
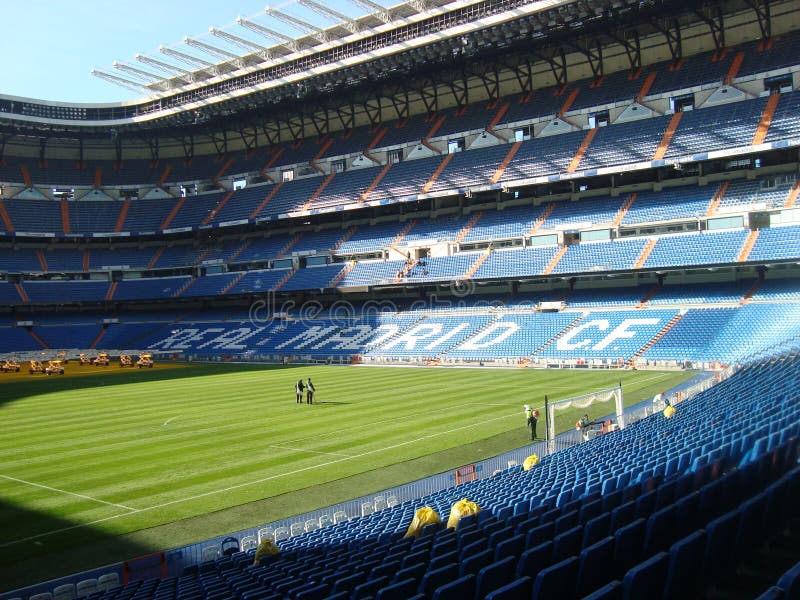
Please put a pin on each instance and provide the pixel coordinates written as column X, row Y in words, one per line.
column 86, row 260
column 663, row 145
column 649, row 296
column 233, row 283
column 733, row 70
column 98, row 337
column 750, row 293
column 21, row 291
column 399, row 238
column 172, row 213
column 215, row 180
column 651, row 243
column 791, row 199
column 555, row 260
column 184, row 287
column 472, row 222
column 98, row 177
column 473, row 268
column 623, row 210
column 496, row 119
column 218, row 207
column 26, row 176
column 123, row 213
column 111, row 290
column 39, row 340
column 672, row 322
column 405, row 271
column 348, row 234
column 540, row 221
column 43, row 261
column 501, row 168
column 164, row 175
column 272, row 160
column 581, row 151
column 318, row 191
column 560, row 334
column 435, row 175
column 284, row 279
column 766, row 120
column 646, row 85
column 342, row 274
column 155, row 258
column 381, row 174
column 374, row 144
column 201, row 257
column 6, row 218
column 65, row 216
column 242, row 247
column 717, row 199
column 289, row 245
column 747, row 247
column 257, row 210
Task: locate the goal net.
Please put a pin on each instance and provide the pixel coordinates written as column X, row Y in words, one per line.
column 605, row 402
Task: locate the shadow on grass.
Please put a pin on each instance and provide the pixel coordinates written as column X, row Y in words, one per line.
column 53, row 547
column 14, row 386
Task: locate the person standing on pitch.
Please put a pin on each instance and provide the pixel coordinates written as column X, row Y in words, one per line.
column 298, row 391
column 309, row 391
column 533, row 419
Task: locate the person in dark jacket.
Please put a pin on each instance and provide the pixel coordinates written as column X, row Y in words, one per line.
column 309, row 392
column 298, row 391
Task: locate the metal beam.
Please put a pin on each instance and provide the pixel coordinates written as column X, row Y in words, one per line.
column 325, row 11
column 239, row 41
column 188, row 59
column 268, row 33
column 763, row 15
column 134, row 71
column 121, row 81
column 303, row 26
column 384, row 14
column 212, row 50
column 712, row 16
column 162, row 66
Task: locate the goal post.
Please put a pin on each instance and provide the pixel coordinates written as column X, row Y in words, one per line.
column 602, row 397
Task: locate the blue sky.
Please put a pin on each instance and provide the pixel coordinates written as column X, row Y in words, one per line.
column 48, row 47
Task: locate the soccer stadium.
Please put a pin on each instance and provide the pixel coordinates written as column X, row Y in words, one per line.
column 539, row 258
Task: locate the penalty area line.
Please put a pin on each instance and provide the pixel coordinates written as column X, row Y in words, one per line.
column 68, row 493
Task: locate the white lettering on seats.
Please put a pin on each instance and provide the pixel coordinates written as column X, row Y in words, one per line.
column 564, row 342
column 307, row 337
column 414, row 335
column 506, row 328
column 621, row 331
column 230, row 340
column 343, row 341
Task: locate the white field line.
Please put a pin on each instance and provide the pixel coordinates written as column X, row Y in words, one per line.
column 170, row 420
column 248, row 483
column 309, row 451
column 259, row 481
column 68, row 493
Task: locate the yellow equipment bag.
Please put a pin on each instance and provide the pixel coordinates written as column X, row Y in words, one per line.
column 266, row 548
column 531, row 461
column 461, row 508
column 669, row 411
column 424, row 516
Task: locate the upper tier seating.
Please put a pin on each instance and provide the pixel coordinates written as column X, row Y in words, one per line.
column 702, row 130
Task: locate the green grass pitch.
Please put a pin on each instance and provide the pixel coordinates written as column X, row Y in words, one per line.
column 103, row 464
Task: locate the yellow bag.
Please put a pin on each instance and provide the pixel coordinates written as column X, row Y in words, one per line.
column 531, row 461
column 266, row 548
column 424, row 516
column 461, row 508
column 669, row 411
